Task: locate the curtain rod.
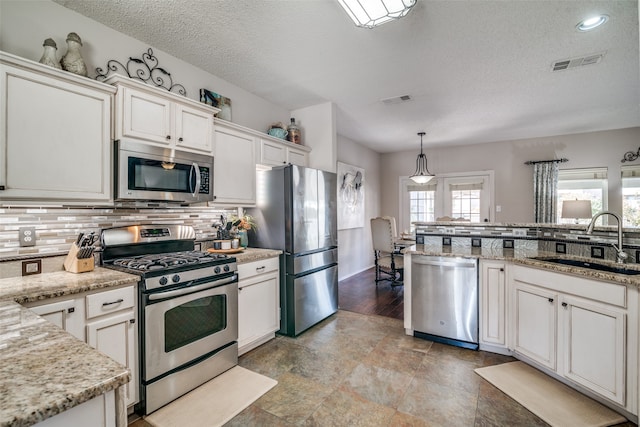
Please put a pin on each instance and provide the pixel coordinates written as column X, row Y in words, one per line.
column 533, row 162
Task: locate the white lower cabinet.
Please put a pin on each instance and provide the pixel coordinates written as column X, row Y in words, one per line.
column 582, row 330
column 95, row 412
column 258, row 303
column 493, row 307
column 111, row 329
column 67, row 314
column 106, row 320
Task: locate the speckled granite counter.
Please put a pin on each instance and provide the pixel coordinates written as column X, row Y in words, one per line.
column 525, row 256
column 50, row 285
column 43, row 369
column 255, row 254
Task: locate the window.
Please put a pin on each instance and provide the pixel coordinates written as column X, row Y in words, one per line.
column 631, row 196
column 466, row 196
column 582, row 184
column 421, row 203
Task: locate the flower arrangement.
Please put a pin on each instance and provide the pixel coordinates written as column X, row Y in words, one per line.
column 246, row 223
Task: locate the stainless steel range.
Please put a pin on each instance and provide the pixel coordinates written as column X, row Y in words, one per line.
column 188, row 308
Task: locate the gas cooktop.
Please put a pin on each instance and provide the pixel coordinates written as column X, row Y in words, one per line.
column 164, row 261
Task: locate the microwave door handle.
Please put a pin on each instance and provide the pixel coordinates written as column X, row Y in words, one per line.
column 194, row 167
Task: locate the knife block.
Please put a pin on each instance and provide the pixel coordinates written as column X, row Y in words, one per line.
column 74, row 265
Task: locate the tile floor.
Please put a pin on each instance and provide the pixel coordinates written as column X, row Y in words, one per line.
column 362, row 370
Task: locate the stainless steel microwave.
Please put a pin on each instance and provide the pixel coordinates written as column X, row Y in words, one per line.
column 148, row 173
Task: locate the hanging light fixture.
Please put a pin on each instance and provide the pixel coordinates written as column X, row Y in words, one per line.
column 371, row 13
column 422, row 174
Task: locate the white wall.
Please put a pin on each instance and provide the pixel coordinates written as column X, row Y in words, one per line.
column 514, row 179
column 24, row 25
column 318, row 126
column 355, row 252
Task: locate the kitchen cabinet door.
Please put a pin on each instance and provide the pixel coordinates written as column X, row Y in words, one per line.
column 234, row 167
column 114, row 335
column 535, row 323
column 493, row 306
column 99, row 411
column 275, row 153
column 66, row 314
column 297, row 157
column 146, row 116
column 55, row 134
column 594, row 346
column 194, row 128
column 258, row 303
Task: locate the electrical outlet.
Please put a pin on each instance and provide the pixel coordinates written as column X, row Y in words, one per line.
column 27, row 236
column 31, row 267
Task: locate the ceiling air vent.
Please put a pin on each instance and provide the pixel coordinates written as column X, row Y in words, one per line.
column 396, row 100
column 565, row 64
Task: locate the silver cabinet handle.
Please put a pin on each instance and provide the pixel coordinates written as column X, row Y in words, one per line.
column 118, row 301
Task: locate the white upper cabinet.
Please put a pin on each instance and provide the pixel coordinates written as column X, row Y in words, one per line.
column 161, row 118
column 274, row 152
column 234, row 166
column 55, row 134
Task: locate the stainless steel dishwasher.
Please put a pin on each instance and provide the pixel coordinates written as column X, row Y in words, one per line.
column 444, row 299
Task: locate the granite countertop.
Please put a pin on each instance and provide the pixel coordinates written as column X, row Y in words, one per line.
column 255, row 254
column 43, row 369
column 526, row 257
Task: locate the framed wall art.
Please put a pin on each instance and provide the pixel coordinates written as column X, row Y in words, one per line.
column 350, row 196
column 218, row 101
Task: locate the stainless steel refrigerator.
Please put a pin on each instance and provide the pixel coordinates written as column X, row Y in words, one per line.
column 296, row 213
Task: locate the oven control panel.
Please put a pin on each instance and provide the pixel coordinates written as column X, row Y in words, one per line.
column 170, row 279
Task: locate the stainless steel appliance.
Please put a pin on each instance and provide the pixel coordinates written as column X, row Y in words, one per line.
column 147, row 173
column 296, row 213
column 188, row 308
column 444, row 299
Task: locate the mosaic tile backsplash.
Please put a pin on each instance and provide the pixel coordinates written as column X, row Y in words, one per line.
column 57, row 228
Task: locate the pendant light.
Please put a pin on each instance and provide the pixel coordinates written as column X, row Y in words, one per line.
column 422, row 174
column 371, row 13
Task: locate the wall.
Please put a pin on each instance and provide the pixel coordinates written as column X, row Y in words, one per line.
column 318, row 125
column 514, row 179
column 24, row 25
column 354, row 244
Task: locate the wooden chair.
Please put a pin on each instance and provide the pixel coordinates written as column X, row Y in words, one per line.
column 389, row 262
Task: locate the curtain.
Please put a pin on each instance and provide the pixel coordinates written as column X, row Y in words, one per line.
column 545, row 191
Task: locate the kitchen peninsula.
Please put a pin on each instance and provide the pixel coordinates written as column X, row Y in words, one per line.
column 551, row 296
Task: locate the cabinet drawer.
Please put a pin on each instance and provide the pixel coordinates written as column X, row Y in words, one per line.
column 110, row 301
column 257, row 267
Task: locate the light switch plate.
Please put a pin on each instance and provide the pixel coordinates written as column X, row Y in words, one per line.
column 27, row 236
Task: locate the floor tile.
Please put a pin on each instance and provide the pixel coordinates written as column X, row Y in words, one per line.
column 347, row 408
column 379, row 385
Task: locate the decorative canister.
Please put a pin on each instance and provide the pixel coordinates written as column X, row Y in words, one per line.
column 294, row 134
column 244, row 238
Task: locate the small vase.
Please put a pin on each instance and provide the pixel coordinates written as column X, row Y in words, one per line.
column 244, row 238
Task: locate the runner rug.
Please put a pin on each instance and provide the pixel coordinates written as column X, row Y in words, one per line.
column 215, row 402
column 554, row 402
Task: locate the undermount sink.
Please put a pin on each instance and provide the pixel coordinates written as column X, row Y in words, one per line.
column 589, row 265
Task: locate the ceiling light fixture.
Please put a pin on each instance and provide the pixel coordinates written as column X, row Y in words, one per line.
column 371, row 13
column 592, row 23
column 422, row 174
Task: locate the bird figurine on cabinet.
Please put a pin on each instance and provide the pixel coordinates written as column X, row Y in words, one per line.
column 72, row 60
column 49, row 54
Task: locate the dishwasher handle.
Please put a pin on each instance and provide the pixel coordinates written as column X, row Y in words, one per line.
column 458, row 263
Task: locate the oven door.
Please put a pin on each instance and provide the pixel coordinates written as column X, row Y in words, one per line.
column 180, row 328
column 153, row 173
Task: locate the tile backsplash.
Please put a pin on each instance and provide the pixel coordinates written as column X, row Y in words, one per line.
column 56, row 228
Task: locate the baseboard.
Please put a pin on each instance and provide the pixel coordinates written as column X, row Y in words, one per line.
column 357, row 272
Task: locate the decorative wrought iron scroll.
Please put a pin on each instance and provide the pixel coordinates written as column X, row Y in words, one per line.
column 146, row 70
column 630, row 156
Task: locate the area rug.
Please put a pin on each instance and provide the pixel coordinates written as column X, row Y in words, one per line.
column 215, row 402
column 552, row 401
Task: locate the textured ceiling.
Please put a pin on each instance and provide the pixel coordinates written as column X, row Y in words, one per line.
column 476, row 70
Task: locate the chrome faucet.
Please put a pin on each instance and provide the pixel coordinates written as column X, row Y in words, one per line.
column 621, row 256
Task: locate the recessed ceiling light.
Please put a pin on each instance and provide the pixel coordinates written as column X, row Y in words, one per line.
column 591, row 23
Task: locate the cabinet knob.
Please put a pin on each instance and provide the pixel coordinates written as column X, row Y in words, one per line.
column 502, row 269
column 1, row 187
column 168, row 137
column 564, row 304
column 71, row 309
column 550, row 299
column 132, row 321
column 180, row 139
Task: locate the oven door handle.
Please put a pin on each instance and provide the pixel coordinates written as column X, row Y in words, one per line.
column 191, row 289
